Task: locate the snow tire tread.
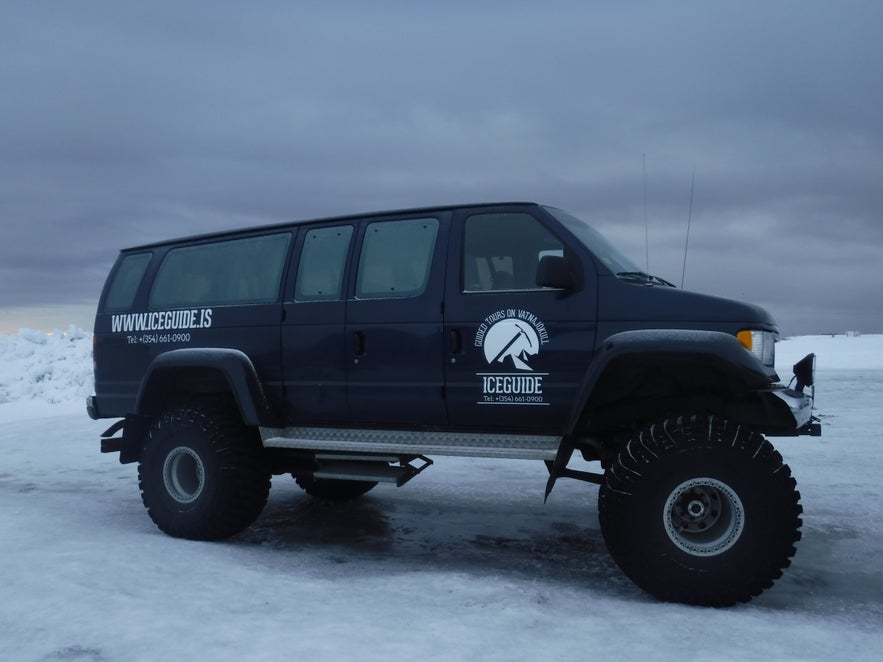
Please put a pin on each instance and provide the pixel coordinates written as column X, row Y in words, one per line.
column 665, row 453
column 237, row 478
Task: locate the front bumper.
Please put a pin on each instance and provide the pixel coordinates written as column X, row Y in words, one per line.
column 798, row 401
column 800, row 404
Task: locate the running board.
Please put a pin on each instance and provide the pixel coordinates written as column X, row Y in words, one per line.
column 407, row 442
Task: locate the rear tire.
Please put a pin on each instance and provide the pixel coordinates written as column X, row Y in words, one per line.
column 700, row 511
column 202, row 473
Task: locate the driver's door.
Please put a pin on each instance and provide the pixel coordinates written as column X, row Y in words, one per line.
column 516, row 352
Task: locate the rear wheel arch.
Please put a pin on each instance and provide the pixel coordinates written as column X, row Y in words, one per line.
column 204, row 371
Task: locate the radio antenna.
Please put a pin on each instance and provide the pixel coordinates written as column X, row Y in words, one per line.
column 646, row 226
column 689, row 219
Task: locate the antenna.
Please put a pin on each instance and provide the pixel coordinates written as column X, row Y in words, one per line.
column 689, row 219
column 646, row 226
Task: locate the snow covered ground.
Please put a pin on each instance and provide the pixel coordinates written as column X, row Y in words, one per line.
column 464, row 563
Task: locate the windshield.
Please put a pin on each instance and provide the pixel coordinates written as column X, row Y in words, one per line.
column 595, row 242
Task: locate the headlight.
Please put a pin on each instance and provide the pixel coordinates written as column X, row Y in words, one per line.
column 760, row 343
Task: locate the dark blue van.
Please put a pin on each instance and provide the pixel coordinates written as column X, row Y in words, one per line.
column 346, row 351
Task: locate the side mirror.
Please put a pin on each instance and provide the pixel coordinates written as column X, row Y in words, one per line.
column 554, row 271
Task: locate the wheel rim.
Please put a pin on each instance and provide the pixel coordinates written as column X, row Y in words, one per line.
column 704, row 516
column 183, row 475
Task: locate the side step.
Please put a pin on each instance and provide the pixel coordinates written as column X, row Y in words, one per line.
column 406, row 442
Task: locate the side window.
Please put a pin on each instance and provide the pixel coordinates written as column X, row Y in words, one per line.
column 124, row 287
column 396, row 258
column 237, row 271
column 322, row 262
column 501, row 252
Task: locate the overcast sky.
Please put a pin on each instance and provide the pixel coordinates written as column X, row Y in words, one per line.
column 127, row 122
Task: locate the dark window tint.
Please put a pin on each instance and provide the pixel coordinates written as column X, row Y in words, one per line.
column 502, row 251
column 231, row 272
column 126, row 280
column 322, row 262
column 396, row 258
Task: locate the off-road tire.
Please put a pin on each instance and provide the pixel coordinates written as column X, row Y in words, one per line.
column 331, row 489
column 202, row 473
column 701, row 511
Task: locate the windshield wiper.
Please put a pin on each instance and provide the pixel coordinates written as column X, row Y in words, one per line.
column 641, row 277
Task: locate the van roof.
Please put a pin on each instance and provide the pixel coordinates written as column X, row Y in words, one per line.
column 329, row 219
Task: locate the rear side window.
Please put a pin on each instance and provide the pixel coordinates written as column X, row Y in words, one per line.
column 126, row 280
column 322, row 262
column 396, row 258
column 238, row 271
column 501, row 252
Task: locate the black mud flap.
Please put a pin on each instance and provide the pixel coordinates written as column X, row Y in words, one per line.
column 126, row 445
column 558, row 469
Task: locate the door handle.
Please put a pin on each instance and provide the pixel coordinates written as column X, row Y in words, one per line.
column 358, row 343
column 455, row 341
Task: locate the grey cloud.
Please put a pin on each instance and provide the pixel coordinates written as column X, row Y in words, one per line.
column 132, row 123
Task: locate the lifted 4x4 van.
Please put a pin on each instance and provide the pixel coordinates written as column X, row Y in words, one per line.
column 345, row 351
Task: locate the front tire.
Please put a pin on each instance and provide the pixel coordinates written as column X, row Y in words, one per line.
column 701, row 511
column 202, row 473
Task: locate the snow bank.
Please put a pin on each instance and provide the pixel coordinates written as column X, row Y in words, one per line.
column 51, row 368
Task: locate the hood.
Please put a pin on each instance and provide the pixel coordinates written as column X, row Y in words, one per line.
column 625, row 301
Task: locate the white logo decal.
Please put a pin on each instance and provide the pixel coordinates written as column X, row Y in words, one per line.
column 513, row 339
column 510, row 338
column 161, row 326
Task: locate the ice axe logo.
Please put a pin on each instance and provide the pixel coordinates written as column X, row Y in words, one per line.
column 511, row 338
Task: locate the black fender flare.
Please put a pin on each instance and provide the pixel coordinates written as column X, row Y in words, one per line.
column 235, row 366
column 714, row 350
